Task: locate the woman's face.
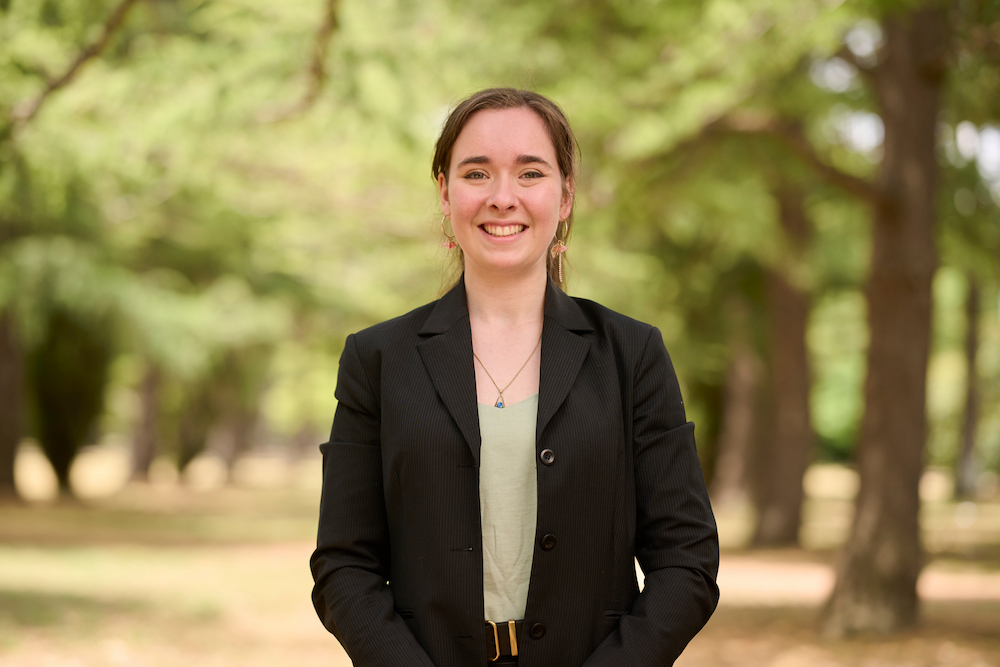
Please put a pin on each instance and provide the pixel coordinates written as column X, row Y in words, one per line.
column 504, row 192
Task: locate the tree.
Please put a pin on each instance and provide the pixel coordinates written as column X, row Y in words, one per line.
column 14, row 115
column 785, row 447
column 144, row 436
column 68, row 373
column 901, row 50
column 11, row 383
column 738, row 413
column 189, row 274
column 876, row 587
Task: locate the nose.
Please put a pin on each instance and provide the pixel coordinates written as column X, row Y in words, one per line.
column 503, row 198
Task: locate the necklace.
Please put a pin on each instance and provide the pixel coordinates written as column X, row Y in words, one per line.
column 499, row 403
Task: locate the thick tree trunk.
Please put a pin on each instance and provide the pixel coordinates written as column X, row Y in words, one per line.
column 784, row 449
column 69, row 372
column 876, row 588
column 729, row 483
column 11, row 392
column 144, row 438
column 966, row 468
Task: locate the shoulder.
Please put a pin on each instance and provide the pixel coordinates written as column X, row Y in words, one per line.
column 640, row 356
column 625, row 334
column 603, row 318
column 398, row 328
column 373, row 345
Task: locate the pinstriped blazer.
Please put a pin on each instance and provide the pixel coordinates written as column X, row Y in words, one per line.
column 398, row 566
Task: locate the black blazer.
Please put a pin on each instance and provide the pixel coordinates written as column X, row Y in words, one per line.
column 398, row 566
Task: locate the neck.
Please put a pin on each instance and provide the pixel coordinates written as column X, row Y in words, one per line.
column 510, row 301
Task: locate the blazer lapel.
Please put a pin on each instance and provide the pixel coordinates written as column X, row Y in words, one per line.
column 563, row 352
column 446, row 352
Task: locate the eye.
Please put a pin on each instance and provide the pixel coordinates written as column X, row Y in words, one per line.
column 533, row 174
column 475, row 176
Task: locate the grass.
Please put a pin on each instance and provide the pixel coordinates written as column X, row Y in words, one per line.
column 167, row 576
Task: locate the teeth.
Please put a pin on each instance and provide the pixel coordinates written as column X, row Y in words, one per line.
column 503, row 230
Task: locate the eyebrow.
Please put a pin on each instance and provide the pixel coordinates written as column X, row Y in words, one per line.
column 521, row 159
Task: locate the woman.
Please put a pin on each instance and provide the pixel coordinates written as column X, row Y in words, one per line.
column 499, row 457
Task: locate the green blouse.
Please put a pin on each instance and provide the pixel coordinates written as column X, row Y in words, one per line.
column 508, row 497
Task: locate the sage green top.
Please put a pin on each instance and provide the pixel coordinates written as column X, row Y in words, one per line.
column 508, row 497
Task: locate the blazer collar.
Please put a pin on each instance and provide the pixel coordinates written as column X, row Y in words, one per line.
column 446, row 350
column 453, row 307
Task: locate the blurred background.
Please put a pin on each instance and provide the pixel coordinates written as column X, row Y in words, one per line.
column 200, row 199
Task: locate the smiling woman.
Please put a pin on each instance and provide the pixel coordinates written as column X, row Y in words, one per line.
column 505, row 194
column 501, row 457
column 560, row 137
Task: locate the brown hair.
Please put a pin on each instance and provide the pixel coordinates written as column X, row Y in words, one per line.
column 555, row 123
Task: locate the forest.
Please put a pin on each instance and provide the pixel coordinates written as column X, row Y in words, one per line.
column 200, row 199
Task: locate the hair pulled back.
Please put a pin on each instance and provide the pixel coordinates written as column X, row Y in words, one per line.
column 555, row 123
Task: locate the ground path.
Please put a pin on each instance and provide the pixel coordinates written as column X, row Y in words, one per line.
column 248, row 606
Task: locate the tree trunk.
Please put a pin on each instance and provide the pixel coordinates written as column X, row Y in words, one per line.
column 785, row 448
column 966, row 468
column 876, row 588
column 306, row 441
column 195, row 424
column 69, row 372
column 232, row 438
column 711, row 396
column 244, row 429
column 144, row 438
column 11, row 392
column 729, row 483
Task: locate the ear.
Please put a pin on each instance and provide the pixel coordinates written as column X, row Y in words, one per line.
column 566, row 206
column 443, row 192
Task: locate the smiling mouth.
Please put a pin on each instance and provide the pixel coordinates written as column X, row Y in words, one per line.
column 502, row 230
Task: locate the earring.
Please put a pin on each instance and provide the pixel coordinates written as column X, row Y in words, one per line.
column 450, row 243
column 558, row 248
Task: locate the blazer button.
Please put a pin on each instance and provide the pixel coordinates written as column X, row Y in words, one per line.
column 537, row 631
column 548, row 457
column 548, row 542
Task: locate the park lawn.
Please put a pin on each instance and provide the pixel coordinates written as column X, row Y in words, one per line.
column 155, row 577
column 160, row 606
column 177, row 578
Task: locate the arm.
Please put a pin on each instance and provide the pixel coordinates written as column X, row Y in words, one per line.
column 350, row 566
column 677, row 542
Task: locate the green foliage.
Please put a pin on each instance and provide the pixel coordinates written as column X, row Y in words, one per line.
column 162, row 191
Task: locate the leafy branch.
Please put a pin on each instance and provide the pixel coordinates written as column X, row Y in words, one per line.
column 315, row 70
column 28, row 109
column 791, row 136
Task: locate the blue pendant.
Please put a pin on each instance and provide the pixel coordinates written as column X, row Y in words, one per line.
column 499, row 402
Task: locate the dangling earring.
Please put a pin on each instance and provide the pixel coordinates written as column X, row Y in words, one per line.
column 559, row 247
column 450, row 243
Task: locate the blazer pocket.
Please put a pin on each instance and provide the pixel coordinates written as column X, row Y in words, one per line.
column 611, row 619
column 405, row 613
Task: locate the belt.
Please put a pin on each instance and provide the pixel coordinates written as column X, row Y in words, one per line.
column 501, row 638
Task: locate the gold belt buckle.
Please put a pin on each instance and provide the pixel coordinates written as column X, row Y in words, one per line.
column 496, row 641
column 511, row 629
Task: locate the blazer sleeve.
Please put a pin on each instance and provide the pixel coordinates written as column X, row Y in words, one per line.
column 677, row 543
column 350, row 565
